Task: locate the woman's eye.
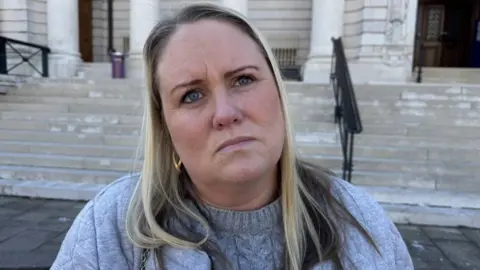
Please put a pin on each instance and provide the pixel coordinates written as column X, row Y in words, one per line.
column 191, row 96
column 243, row 80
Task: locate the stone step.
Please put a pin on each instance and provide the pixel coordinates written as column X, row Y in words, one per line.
column 79, row 150
column 80, row 176
column 398, row 108
column 361, row 151
column 397, row 122
column 79, row 118
column 79, row 128
column 305, row 112
column 311, row 138
column 435, row 91
column 68, row 100
column 404, row 206
column 434, row 155
column 76, row 83
column 114, row 151
column 418, row 142
column 385, row 140
column 95, row 70
column 69, row 138
column 308, row 144
column 366, row 170
column 80, row 90
column 432, row 181
column 424, row 197
column 134, row 89
column 400, row 129
column 132, row 109
column 314, row 99
column 435, row 117
column 395, row 125
column 412, row 167
column 432, row 215
column 308, row 107
column 68, row 162
column 319, row 100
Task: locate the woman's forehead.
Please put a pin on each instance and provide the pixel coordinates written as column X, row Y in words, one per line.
column 207, row 44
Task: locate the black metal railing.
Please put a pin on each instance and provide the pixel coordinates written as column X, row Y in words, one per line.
column 419, row 57
column 8, row 44
column 346, row 110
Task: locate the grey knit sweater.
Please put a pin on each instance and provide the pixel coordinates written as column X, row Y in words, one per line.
column 249, row 240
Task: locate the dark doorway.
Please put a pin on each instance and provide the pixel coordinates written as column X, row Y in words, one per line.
column 85, row 24
column 446, row 30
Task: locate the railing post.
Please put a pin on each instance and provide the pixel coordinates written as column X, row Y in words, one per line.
column 3, row 56
column 44, row 63
column 110, row 26
column 420, row 63
column 347, row 115
column 350, row 157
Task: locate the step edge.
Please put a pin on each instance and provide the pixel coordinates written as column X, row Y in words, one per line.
column 401, row 214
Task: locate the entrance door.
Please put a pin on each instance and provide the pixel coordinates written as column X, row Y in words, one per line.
column 445, row 28
column 431, row 19
column 458, row 29
column 85, row 24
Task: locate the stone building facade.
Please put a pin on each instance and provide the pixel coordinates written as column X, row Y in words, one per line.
column 379, row 35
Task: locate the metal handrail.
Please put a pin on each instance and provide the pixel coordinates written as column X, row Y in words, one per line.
column 346, row 110
column 420, row 59
column 9, row 42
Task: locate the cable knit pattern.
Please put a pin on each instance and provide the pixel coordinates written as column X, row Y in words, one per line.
column 249, row 239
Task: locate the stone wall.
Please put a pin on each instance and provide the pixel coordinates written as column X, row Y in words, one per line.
column 352, row 27
column 37, row 21
column 379, row 37
column 121, row 24
column 169, row 7
column 121, row 28
column 14, row 19
column 100, row 30
column 24, row 20
column 286, row 24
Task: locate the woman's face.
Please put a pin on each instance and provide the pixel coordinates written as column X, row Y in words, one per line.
column 221, row 105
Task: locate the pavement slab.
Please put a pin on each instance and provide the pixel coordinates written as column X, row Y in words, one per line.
column 33, row 229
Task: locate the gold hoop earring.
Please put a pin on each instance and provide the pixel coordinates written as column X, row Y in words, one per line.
column 178, row 164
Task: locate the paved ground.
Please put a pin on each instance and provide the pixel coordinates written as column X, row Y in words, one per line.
column 32, row 230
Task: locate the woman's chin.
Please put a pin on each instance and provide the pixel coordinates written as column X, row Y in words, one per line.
column 243, row 173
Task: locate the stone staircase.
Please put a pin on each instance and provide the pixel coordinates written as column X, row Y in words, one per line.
column 414, row 136
column 95, row 70
column 68, row 138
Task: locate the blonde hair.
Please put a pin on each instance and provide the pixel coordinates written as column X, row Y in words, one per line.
column 161, row 191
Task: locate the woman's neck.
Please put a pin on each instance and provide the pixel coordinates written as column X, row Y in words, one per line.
column 248, row 196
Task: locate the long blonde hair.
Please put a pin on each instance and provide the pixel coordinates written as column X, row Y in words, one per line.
column 161, row 190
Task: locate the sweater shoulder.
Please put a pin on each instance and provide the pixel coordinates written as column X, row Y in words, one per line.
column 111, row 204
column 363, row 207
column 376, row 221
column 97, row 237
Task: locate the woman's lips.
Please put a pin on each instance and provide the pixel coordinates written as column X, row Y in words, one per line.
column 234, row 144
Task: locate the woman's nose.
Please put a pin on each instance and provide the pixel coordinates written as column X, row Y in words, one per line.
column 226, row 112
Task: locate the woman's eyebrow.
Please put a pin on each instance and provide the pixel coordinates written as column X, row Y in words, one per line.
column 227, row 74
column 185, row 84
column 232, row 72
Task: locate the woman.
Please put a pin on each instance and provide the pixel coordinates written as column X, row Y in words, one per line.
column 221, row 186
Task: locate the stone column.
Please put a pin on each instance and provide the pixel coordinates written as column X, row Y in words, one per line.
column 327, row 22
column 144, row 15
column 62, row 32
column 239, row 5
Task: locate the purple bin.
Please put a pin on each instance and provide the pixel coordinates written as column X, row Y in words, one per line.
column 118, row 65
